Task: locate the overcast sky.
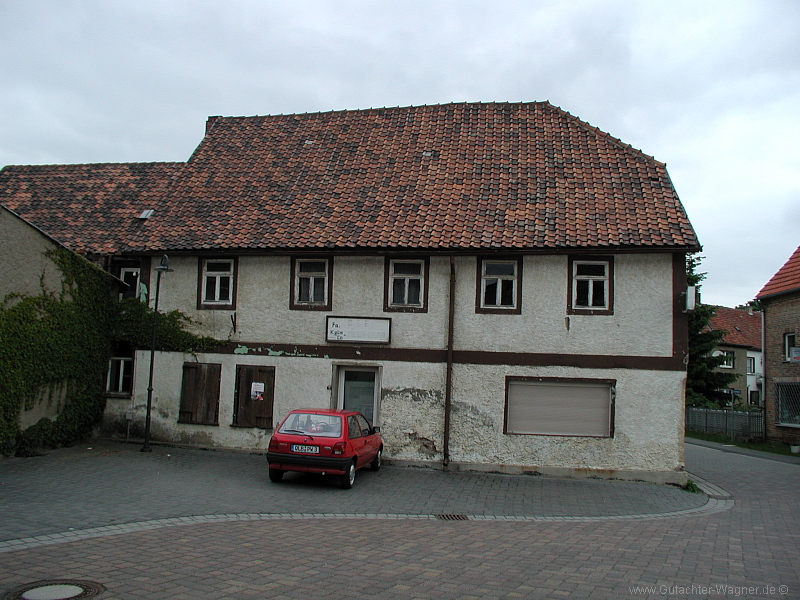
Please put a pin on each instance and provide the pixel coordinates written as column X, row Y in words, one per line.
column 710, row 88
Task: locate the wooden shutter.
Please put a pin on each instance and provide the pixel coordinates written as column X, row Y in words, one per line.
column 200, row 393
column 250, row 410
column 575, row 408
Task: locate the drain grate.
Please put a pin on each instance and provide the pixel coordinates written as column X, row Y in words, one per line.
column 56, row 589
column 452, row 517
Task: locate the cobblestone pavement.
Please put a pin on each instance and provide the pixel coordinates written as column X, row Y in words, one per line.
column 188, row 524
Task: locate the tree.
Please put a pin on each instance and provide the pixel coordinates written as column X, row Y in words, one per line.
column 703, row 383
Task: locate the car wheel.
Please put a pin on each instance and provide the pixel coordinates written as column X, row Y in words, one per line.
column 375, row 465
column 346, row 480
column 275, row 475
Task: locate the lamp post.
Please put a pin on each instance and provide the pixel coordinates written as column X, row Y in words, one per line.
column 163, row 267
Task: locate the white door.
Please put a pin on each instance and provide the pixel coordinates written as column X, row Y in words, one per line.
column 358, row 390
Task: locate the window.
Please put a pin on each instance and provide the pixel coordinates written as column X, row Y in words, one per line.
column 200, row 394
column 217, row 283
column 500, row 286
column 789, row 342
column 405, row 285
column 568, row 407
column 131, row 276
column 253, row 397
column 353, row 428
column 728, row 358
column 590, row 286
column 751, row 365
column 120, row 370
column 787, row 404
column 312, row 284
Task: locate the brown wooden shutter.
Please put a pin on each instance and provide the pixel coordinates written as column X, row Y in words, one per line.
column 200, row 393
column 250, row 411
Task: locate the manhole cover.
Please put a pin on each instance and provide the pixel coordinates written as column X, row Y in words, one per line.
column 61, row 589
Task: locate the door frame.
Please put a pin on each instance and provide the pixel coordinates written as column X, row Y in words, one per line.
column 338, row 386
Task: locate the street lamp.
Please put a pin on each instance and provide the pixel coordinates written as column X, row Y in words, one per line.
column 163, row 267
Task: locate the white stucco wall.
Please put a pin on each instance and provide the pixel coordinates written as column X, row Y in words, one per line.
column 649, row 404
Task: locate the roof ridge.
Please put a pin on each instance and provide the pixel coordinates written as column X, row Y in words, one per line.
column 377, row 108
column 91, row 164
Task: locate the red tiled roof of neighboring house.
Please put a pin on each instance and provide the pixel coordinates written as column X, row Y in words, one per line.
column 447, row 177
column 88, row 208
column 787, row 279
column 742, row 328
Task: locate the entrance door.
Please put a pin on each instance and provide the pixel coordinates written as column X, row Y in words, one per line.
column 358, row 390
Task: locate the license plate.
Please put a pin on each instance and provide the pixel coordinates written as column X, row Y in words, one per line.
column 305, row 449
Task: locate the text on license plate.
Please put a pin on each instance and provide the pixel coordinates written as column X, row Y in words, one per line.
column 306, row 449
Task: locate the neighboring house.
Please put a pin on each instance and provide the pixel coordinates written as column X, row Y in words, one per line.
column 780, row 300
column 741, row 348
column 498, row 286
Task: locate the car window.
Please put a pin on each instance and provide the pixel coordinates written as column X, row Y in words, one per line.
column 365, row 428
column 353, row 428
column 313, row 424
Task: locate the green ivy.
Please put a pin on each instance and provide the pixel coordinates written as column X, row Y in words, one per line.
column 67, row 336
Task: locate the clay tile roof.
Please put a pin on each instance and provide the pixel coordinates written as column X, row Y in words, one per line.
column 446, row 177
column 742, row 328
column 89, row 208
column 787, row 279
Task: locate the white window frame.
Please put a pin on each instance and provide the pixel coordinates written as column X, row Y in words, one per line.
column 751, row 365
column 133, row 290
column 217, row 276
column 313, row 277
column 730, row 358
column 492, row 279
column 126, row 368
column 578, row 280
column 789, row 342
column 406, row 278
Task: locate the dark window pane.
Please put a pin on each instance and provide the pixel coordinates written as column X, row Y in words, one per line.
column 218, row 267
column 490, row 293
column 414, row 291
column 493, row 268
column 312, row 267
column 319, row 289
column 591, row 270
column 507, row 293
column 582, row 293
column 127, row 375
column 401, row 268
column 224, row 289
column 304, row 292
column 598, row 293
column 211, row 289
column 398, row 291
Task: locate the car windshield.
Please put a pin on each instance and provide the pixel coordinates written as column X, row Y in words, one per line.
column 312, row 424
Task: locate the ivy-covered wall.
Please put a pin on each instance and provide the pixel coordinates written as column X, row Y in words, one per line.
column 62, row 339
column 54, row 337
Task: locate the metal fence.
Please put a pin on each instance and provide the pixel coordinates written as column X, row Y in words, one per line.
column 739, row 425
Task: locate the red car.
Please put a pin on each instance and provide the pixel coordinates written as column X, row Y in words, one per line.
column 326, row 441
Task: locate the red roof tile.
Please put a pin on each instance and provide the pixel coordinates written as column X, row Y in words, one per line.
column 445, row 177
column 787, row 279
column 742, row 328
column 89, row 208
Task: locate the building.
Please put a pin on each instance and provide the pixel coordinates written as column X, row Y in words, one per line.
column 780, row 299
column 741, row 348
column 498, row 286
